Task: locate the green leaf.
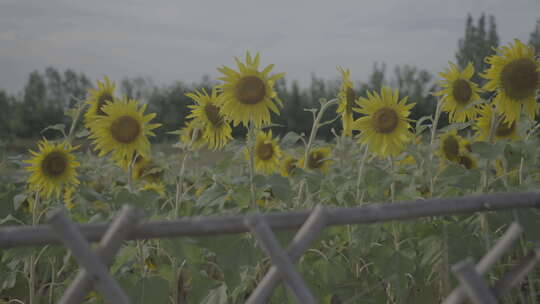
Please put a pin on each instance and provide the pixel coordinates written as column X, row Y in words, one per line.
column 211, row 194
column 18, row 200
column 148, row 290
column 487, row 150
column 456, row 126
column 58, row 127
column 82, row 133
column 420, row 126
column 281, row 188
column 290, row 139
column 217, row 296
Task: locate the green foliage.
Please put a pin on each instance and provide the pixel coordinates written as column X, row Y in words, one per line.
column 477, row 44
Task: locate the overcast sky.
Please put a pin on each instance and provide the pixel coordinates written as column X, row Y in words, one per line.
column 170, row 40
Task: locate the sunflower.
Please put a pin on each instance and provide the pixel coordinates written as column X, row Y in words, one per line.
column 318, row 159
column 216, row 131
column 467, row 161
column 147, row 170
column 451, row 146
column 288, row 165
column 68, row 197
column 386, row 127
column 52, row 168
column 266, row 153
column 124, row 131
column 458, row 93
column 501, row 169
column 346, row 97
column 514, row 73
column 158, row 187
column 97, row 99
column 504, row 130
column 248, row 95
column 406, row 161
column 192, row 135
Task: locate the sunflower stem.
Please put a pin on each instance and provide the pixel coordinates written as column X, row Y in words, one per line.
column 70, row 135
column 33, row 259
column 484, row 223
column 393, row 184
column 522, row 160
column 179, row 185
column 360, row 172
column 180, row 181
column 251, row 148
column 434, row 125
column 314, row 129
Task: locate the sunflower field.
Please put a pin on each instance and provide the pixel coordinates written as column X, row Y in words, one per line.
column 381, row 155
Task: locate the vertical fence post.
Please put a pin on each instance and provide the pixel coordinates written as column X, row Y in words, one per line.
column 267, row 240
column 472, row 283
column 309, row 231
column 123, row 224
column 82, row 252
column 488, row 260
column 517, row 273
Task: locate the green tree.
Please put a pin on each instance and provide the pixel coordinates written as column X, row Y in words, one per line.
column 418, row 85
column 477, row 44
column 534, row 38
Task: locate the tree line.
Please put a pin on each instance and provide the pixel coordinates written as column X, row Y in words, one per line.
column 47, row 95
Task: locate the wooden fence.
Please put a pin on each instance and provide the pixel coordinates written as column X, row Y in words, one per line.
column 128, row 226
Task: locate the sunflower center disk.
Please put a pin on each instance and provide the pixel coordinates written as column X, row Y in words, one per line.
column 212, row 113
column 54, row 164
column 451, row 148
column 520, row 78
column 385, row 120
column 102, row 100
column 125, row 129
column 462, row 91
column 466, row 162
column 351, row 97
column 291, row 165
column 250, row 90
column 504, row 129
column 265, row 151
column 315, row 160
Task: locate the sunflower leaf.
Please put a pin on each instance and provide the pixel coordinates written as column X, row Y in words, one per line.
column 456, row 126
column 57, row 127
column 487, row 150
column 420, row 126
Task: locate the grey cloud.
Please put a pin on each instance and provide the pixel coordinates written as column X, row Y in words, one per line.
column 170, row 40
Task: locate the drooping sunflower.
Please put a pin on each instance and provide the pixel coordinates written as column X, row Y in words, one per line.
column 248, row 94
column 158, row 187
column 467, row 161
column 514, row 74
column 52, row 168
column 97, row 99
column 216, row 131
column 267, row 153
column 504, row 130
column 124, row 131
column 385, row 128
column 192, row 134
column 146, row 169
column 68, row 197
column 458, row 93
column 318, row 160
column 288, row 165
column 451, row 146
column 346, row 97
column 501, row 169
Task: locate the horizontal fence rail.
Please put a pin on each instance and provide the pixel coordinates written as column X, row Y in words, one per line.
column 18, row 236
